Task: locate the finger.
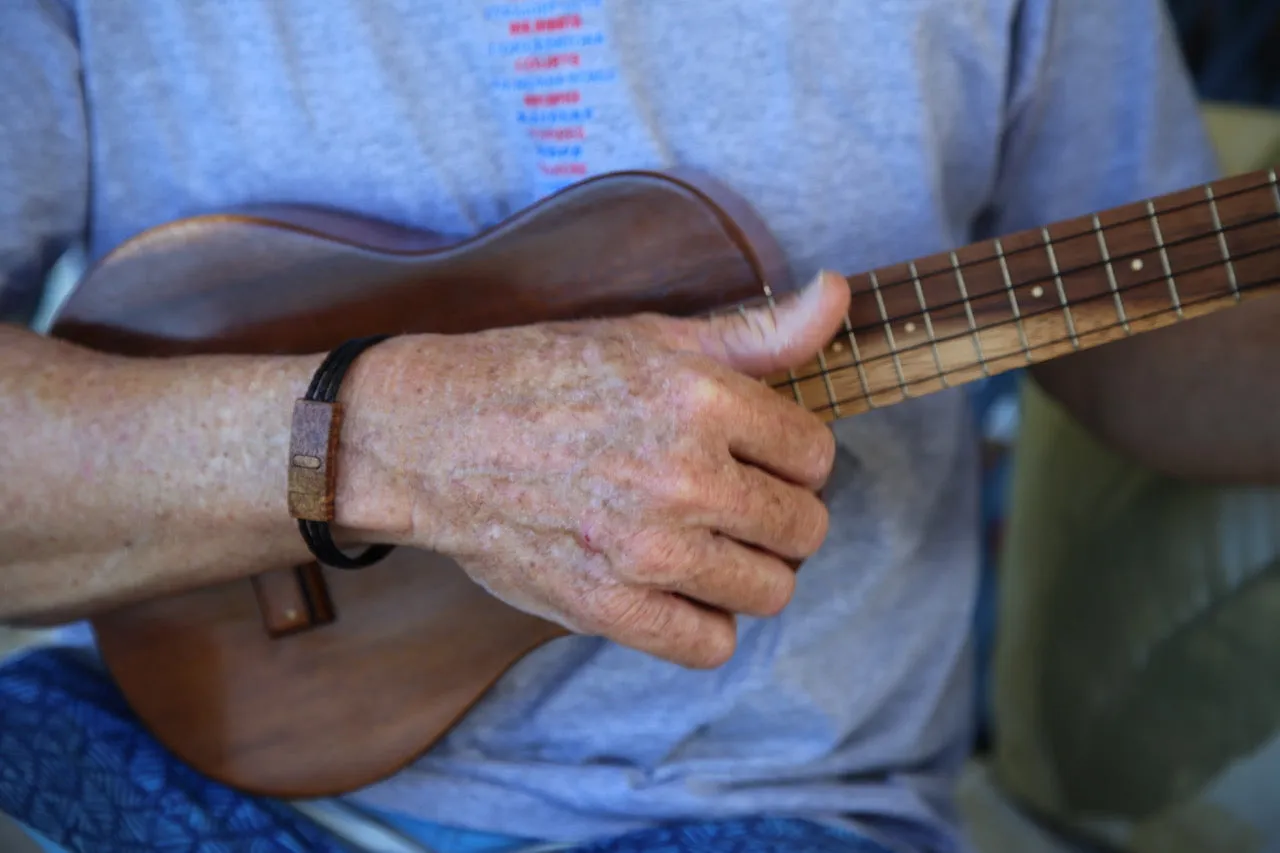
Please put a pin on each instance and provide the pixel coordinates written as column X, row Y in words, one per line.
column 733, row 577
column 768, row 430
column 766, row 338
column 667, row 626
column 778, row 517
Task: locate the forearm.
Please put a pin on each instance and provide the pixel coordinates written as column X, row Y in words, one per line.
column 125, row 478
column 1195, row 401
column 586, row 473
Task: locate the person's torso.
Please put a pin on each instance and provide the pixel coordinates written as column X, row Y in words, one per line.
column 863, row 133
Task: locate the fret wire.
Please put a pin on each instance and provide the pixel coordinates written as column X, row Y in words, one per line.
column 826, row 380
column 1062, row 289
column 1275, row 188
column 791, row 374
column 1164, row 259
column 857, row 361
column 968, row 310
column 888, row 331
column 1048, row 247
column 1088, row 267
column 1118, row 224
column 1128, row 287
column 1222, row 243
column 1111, row 274
column 1266, row 283
column 928, row 323
column 1013, row 300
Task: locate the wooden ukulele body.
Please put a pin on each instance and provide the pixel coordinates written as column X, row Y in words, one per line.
column 315, row 682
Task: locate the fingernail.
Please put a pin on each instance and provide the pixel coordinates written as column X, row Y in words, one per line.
column 813, row 289
column 817, row 281
column 805, row 296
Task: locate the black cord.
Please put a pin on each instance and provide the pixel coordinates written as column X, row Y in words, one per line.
column 324, row 389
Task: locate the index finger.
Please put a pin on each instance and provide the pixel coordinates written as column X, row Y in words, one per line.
column 770, row 430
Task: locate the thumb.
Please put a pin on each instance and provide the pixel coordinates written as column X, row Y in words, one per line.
column 766, row 338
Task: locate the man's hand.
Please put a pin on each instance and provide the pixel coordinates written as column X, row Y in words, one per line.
column 624, row 478
column 621, row 477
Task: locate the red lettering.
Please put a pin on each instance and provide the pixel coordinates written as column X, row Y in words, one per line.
column 547, row 63
column 546, row 25
column 552, row 99
column 564, row 22
column 558, row 134
column 560, row 170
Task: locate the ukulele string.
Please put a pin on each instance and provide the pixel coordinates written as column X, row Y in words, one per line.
column 950, row 270
column 1055, row 342
column 1064, row 272
column 875, row 328
column 995, row 325
column 1039, row 247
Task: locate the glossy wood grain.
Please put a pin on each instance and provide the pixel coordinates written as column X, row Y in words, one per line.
column 307, row 682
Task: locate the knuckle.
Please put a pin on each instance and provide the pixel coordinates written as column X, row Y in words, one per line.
column 639, row 619
column 778, row 593
column 660, row 330
column 698, row 394
column 656, row 619
column 656, row 561
column 612, row 612
column 715, row 646
column 813, row 526
column 679, row 487
column 803, row 521
column 823, row 455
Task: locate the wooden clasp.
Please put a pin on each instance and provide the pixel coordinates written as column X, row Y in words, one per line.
column 313, row 442
column 293, row 600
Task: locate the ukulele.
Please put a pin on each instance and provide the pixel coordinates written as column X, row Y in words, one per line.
column 308, row 681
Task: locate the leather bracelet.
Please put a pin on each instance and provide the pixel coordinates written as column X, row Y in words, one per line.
column 313, row 446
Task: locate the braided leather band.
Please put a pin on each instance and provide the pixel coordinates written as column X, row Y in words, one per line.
column 313, row 447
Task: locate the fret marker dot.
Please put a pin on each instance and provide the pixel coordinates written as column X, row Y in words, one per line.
column 1137, row 265
column 911, row 327
column 1037, row 292
column 837, row 347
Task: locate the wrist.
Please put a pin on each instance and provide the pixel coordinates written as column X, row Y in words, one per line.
column 372, row 506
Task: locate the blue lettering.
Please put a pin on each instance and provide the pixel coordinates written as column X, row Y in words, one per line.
column 528, row 84
column 555, row 80
column 577, row 116
column 507, row 11
column 560, row 151
column 545, row 45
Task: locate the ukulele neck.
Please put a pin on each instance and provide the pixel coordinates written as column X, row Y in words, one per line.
column 947, row 319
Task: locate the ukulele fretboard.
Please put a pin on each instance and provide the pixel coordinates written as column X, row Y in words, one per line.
column 948, row 319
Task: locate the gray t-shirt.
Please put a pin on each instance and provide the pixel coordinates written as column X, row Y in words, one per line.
column 864, row 132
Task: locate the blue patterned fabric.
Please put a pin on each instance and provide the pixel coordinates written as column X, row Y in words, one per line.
column 79, row 769
column 757, row 835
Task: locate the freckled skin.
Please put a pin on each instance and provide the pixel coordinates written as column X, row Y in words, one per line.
column 624, row 478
